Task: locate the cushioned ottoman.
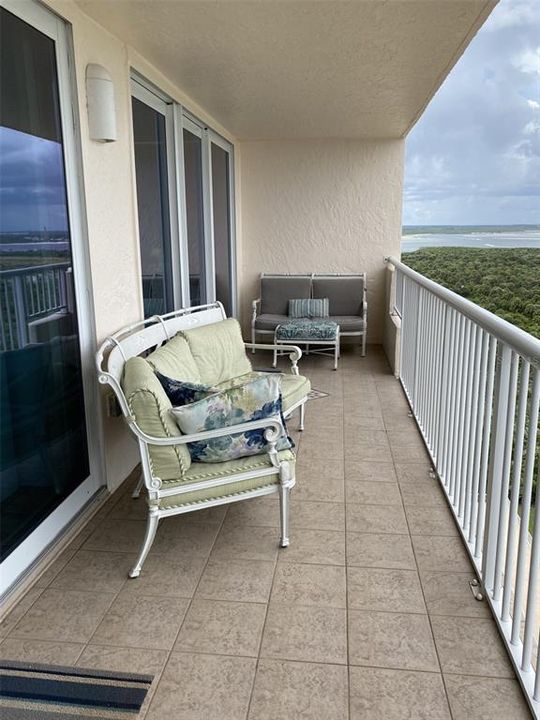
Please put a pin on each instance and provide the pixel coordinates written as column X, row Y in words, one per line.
column 321, row 333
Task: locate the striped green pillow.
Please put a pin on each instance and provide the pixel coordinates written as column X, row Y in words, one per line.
column 308, row 308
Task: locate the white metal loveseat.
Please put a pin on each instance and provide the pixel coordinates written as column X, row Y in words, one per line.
column 176, row 345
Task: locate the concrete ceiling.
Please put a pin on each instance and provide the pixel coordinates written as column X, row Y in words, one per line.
column 273, row 69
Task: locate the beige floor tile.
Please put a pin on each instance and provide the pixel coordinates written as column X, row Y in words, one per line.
column 378, row 694
column 405, row 437
column 223, row 628
column 313, row 585
column 322, row 485
column 415, row 473
column 380, row 550
column 142, row 622
column 121, row 659
column 470, row 646
column 295, row 632
column 24, row 604
column 324, row 547
column 369, row 471
column 305, row 515
column 369, row 453
column 409, row 453
column 203, row 687
column 236, row 580
column 356, row 425
column 40, row 651
column 180, row 536
column 261, row 512
column 64, row 615
column 385, row 590
column 122, row 535
column 371, row 437
column 376, row 519
column 448, row 593
column 244, row 542
column 94, row 570
column 130, row 660
column 299, row 691
column 431, row 521
column 54, row 568
column 127, row 507
column 167, row 575
column 372, row 493
column 391, row 640
column 485, row 698
column 427, row 494
column 440, row 553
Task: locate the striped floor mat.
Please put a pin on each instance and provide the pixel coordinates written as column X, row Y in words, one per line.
column 29, row 691
column 316, row 394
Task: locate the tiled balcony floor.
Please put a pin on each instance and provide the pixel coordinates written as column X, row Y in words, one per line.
column 367, row 615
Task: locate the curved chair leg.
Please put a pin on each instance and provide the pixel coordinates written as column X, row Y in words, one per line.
column 151, row 528
column 302, row 416
column 138, row 487
column 284, row 515
column 253, row 339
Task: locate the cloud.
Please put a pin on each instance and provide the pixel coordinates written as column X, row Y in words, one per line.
column 474, row 156
column 32, row 186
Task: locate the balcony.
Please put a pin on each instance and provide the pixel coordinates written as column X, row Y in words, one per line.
column 368, row 614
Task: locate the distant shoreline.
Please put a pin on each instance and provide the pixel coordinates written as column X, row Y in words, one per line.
column 417, row 237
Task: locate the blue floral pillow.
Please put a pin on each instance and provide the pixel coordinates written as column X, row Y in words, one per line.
column 255, row 400
column 183, row 393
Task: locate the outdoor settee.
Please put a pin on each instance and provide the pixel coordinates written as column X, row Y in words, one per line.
column 196, row 345
column 347, row 297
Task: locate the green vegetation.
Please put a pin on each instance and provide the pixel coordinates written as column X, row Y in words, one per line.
column 504, row 281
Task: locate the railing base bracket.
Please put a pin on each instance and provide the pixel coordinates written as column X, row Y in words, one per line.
column 476, row 589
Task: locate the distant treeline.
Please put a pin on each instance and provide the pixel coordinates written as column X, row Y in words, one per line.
column 504, row 281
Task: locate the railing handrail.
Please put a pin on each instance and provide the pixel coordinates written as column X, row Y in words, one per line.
column 522, row 342
column 13, row 272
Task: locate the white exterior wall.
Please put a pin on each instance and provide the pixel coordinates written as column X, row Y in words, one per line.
column 330, row 205
column 321, row 206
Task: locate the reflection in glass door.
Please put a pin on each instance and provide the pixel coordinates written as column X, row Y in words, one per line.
column 44, row 454
column 193, row 174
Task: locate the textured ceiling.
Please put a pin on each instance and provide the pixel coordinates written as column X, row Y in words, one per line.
column 276, row 69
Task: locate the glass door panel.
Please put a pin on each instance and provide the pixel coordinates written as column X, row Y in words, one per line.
column 149, row 132
column 221, row 212
column 43, row 434
column 193, row 174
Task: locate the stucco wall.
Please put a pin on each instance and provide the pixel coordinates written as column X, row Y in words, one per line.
column 321, row 206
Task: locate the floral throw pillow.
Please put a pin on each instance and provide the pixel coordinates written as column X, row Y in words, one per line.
column 255, row 400
column 183, row 393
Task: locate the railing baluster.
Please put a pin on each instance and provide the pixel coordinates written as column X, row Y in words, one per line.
column 513, row 524
column 531, row 628
column 521, row 572
column 482, row 383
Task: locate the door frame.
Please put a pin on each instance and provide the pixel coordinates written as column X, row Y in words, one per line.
column 19, row 562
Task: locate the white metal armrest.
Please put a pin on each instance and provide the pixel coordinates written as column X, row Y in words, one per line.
column 272, row 425
column 294, row 352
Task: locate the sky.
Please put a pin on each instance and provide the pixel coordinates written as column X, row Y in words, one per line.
column 32, row 188
column 474, row 156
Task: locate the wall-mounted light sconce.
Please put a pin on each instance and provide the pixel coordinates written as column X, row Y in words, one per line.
column 100, row 104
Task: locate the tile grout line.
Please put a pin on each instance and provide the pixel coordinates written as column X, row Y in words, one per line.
column 424, row 598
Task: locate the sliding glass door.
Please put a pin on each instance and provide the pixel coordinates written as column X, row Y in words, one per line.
column 45, row 459
column 185, row 196
column 222, row 223
column 151, row 136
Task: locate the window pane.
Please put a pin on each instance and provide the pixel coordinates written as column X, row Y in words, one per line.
column 222, row 226
column 153, row 206
column 43, row 443
column 195, row 217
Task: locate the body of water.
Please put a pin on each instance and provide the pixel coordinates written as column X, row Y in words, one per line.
column 416, row 237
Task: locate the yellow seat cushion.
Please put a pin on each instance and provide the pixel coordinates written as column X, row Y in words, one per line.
column 293, row 389
column 199, row 472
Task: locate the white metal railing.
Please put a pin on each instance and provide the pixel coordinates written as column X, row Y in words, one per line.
column 473, row 384
column 29, row 294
